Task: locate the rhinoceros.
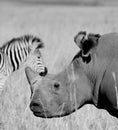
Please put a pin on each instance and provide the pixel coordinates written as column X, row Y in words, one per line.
column 90, row 78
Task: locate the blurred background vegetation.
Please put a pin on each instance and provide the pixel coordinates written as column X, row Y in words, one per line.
column 68, row 2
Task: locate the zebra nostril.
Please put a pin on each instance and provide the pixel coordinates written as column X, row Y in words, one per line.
column 44, row 72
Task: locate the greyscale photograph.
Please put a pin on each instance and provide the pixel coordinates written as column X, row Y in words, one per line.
column 59, row 65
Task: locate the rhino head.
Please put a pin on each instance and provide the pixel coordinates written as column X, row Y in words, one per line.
column 58, row 95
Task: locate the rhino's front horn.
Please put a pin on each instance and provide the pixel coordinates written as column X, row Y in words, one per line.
column 30, row 74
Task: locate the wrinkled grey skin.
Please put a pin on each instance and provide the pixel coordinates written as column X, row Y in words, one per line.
column 91, row 77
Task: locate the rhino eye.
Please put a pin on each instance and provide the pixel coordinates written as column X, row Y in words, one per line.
column 56, row 86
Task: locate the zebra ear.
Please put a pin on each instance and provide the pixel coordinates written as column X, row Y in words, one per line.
column 32, row 78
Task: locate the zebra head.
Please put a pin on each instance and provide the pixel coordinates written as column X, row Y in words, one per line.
column 34, row 43
column 36, row 62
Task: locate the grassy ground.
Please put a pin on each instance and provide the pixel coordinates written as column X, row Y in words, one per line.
column 56, row 26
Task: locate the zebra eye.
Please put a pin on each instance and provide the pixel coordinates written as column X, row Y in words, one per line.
column 36, row 40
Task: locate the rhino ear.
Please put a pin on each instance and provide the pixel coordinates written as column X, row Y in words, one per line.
column 89, row 44
column 80, row 38
column 94, row 38
column 86, row 43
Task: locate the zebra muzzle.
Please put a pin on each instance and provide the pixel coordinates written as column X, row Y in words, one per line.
column 44, row 73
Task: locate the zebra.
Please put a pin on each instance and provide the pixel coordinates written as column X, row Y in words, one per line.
column 19, row 50
column 35, row 61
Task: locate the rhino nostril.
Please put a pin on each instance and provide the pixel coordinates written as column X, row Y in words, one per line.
column 44, row 72
column 36, row 106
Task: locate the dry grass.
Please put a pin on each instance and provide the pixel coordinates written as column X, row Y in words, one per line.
column 56, row 26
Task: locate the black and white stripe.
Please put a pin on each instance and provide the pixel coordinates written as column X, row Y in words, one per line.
column 20, row 50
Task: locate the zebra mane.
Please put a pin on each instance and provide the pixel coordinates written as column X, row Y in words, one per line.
column 27, row 38
column 34, row 39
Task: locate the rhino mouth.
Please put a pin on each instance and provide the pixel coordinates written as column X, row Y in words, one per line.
column 39, row 114
column 47, row 115
column 42, row 114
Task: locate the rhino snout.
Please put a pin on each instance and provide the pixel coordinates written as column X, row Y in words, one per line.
column 35, row 106
column 37, row 109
